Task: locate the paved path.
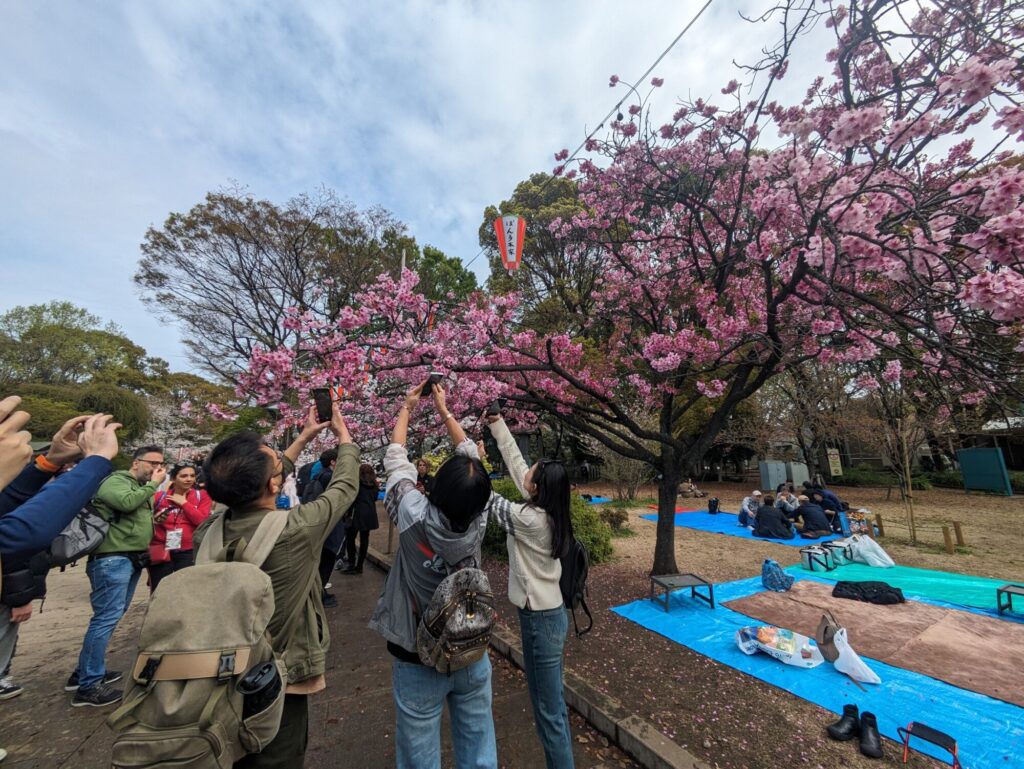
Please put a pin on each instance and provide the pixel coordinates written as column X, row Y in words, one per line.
column 351, row 724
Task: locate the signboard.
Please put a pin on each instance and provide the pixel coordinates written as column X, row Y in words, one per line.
column 835, row 466
column 511, row 232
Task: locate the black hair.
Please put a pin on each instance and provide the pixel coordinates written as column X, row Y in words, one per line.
column 237, row 469
column 367, row 475
column 141, row 451
column 328, row 456
column 178, row 468
column 769, row 500
column 461, row 490
column 552, row 496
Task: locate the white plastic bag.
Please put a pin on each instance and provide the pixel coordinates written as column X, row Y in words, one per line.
column 848, row 662
column 866, row 550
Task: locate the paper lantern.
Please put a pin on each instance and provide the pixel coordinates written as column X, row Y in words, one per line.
column 511, row 232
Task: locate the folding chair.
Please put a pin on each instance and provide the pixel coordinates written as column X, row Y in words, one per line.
column 934, row 736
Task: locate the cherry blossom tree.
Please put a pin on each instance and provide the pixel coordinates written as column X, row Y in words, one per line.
column 878, row 218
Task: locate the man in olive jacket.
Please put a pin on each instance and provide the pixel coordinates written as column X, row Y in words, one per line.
column 125, row 499
column 246, row 475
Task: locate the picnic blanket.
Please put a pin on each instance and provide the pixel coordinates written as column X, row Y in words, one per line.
column 990, row 732
column 725, row 523
column 678, row 510
column 961, row 648
column 597, row 500
column 954, row 590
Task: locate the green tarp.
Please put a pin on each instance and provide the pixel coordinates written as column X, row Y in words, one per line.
column 959, row 589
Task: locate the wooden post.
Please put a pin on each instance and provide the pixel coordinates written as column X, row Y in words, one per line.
column 909, row 482
column 959, row 534
column 878, row 523
column 949, row 540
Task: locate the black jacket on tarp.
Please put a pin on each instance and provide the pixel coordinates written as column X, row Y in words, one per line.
column 869, row 592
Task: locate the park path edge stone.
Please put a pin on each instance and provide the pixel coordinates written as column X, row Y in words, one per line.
column 643, row 741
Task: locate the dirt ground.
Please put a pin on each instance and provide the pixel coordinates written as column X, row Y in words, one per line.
column 729, row 719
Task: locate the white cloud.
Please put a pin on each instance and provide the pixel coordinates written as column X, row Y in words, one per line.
column 112, row 117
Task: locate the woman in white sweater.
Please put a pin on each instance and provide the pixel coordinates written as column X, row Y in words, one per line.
column 539, row 534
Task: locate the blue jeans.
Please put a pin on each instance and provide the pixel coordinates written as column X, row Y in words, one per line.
column 543, row 634
column 746, row 519
column 113, row 581
column 420, row 694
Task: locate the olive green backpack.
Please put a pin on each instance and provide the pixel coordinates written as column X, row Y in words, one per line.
column 205, row 627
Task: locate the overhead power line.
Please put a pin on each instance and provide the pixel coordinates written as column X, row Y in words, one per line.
column 617, row 106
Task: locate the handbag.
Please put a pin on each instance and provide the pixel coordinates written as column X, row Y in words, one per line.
column 842, row 551
column 817, row 559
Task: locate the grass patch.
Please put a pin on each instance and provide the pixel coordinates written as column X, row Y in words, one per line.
column 628, row 504
column 624, row 533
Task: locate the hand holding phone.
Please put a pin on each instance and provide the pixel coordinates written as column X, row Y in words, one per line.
column 434, row 378
column 322, row 398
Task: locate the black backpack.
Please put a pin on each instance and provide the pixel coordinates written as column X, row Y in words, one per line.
column 713, row 505
column 573, row 583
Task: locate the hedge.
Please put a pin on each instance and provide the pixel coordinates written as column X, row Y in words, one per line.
column 587, row 525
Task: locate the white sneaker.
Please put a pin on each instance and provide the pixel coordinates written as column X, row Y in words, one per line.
column 327, row 586
column 3, row 754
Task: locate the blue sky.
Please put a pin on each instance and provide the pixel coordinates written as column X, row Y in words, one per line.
column 114, row 114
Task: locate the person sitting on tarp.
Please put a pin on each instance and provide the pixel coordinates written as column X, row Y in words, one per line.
column 829, row 505
column 748, row 509
column 830, row 500
column 689, row 490
column 814, row 522
column 771, row 521
column 787, row 502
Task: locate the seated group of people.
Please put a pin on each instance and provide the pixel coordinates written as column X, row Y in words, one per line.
column 775, row 516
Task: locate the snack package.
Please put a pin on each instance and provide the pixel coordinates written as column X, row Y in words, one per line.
column 780, row 643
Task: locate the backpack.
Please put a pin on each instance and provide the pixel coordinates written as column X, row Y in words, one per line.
column 79, row 538
column 573, row 584
column 191, row 698
column 774, row 578
column 713, row 505
column 455, row 629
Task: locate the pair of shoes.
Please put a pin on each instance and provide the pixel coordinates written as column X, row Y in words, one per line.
column 353, row 570
column 111, row 677
column 863, row 725
column 8, row 689
column 330, row 600
column 98, row 696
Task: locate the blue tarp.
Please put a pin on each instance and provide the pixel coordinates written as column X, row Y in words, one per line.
column 727, row 523
column 990, row 733
column 598, row 500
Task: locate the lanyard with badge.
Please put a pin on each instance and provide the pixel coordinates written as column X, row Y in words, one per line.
column 175, row 535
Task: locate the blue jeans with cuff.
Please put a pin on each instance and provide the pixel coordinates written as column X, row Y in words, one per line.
column 543, row 634
column 113, row 581
column 420, row 694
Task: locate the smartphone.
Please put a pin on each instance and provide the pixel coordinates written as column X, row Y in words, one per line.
column 434, row 378
column 322, row 398
column 494, row 410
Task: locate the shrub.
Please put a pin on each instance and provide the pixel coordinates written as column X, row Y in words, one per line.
column 615, row 517
column 946, row 479
column 869, row 476
column 594, row 533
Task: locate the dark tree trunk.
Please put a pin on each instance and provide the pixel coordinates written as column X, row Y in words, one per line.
column 668, row 488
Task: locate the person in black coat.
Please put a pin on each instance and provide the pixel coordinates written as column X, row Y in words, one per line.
column 363, row 520
column 771, row 522
column 814, row 521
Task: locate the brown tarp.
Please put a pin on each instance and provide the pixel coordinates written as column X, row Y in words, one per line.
column 968, row 650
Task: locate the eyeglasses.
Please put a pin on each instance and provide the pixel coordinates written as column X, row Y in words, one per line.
column 151, row 462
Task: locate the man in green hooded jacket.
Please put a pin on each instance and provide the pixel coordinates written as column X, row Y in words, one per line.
column 125, row 499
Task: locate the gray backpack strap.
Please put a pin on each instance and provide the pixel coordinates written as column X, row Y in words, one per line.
column 213, row 541
column 265, row 537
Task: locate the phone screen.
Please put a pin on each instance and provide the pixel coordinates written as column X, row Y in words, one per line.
column 322, row 398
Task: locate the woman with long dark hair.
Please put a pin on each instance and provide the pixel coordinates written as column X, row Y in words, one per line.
column 363, row 520
column 177, row 513
column 539, row 535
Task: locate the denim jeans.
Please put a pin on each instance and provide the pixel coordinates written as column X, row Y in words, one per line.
column 746, row 519
column 543, row 634
column 113, row 581
column 8, row 639
column 420, row 693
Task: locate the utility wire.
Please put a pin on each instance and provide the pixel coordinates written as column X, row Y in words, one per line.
column 616, row 108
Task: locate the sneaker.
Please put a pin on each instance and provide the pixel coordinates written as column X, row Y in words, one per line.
column 111, row 677
column 3, row 754
column 8, row 689
column 328, row 586
column 98, row 696
column 330, row 600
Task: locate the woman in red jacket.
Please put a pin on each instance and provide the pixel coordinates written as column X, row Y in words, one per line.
column 177, row 513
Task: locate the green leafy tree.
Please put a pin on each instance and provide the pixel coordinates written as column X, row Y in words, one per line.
column 443, row 276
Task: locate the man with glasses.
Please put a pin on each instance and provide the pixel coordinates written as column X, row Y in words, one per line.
column 125, row 499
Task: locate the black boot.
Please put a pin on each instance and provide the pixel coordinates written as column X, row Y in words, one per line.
column 870, row 740
column 847, row 727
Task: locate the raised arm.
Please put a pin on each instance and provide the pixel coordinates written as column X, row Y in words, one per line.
column 401, row 432
column 455, row 431
column 309, row 431
column 517, row 467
